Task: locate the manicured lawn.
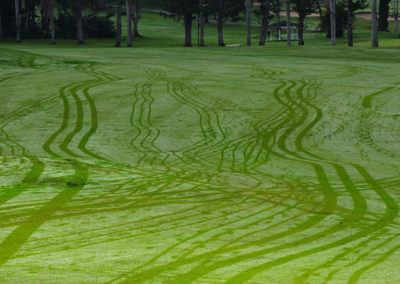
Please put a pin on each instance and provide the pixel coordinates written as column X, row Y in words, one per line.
column 168, row 164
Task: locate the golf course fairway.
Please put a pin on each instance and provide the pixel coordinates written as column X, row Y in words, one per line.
column 191, row 165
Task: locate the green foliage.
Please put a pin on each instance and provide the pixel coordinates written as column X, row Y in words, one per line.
column 341, row 16
column 93, row 26
column 341, row 20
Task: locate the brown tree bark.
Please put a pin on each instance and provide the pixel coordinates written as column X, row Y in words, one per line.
column 52, row 26
column 301, row 29
column 1, row 25
column 332, row 6
column 79, row 22
column 17, row 21
column 288, row 25
column 349, row 24
column 201, row 22
column 129, row 22
column 188, row 29
column 27, row 13
column 278, row 17
column 374, row 26
column 119, row 24
column 137, row 6
column 248, row 21
column 220, row 23
column 264, row 23
column 396, row 17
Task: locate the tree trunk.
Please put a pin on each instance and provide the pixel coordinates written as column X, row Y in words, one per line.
column 129, row 23
column 248, row 21
column 136, row 27
column 349, row 24
column 264, row 23
column 188, row 29
column 79, row 22
column 137, row 15
column 383, row 15
column 220, row 23
column 119, row 24
column 396, row 17
column 27, row 13
column 17, row 21
column 52, row 27
column 1, row 26
column 288, row 25
column 278, row 18
column 301, row 29
column 374, row 26
column 319, row 8
column 332, row 8
column 201, row 22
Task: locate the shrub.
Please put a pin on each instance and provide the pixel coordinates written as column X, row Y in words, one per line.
column 93, row 26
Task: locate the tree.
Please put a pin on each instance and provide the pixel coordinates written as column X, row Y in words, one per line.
column 303, row 8
column 129, row 22
column 332, row 5
column 183, row 9
column 201, row 22
column 264, row 13
column 277, row 8
column 224, row 9
column 374, row 26
column 137, row 8
column 119, row 24
column 351, row 7
column 48, row 13
column 79, row 21
column 288, row 24
column 383, row 15
column 220, row 21
column 1, row 23
column 396, row 17
column 248, row 21
column 17, row 21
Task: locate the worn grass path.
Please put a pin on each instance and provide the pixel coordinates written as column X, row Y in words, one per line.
column 175, row 165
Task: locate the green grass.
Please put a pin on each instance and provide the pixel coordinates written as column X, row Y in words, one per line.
column 168, row 164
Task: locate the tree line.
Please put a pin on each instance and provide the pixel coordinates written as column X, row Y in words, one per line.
column 64, row 17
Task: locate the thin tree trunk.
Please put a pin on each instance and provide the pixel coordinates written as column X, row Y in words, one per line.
column 332, row 6
column 17, row 21
column 1, row 25
column 27, row 13
column 264, row 24
column 278, row 17
column 319, row 8
column 201, row 22
column 119, row 24
column 136, row 26
column 129, row 22
column 396, row 17
column 374, row 26
column 383, row 15
column 248, row 21
column 349, row 24
column 220, row 23
column 137, row 15
column 79, row 22
column 301, row 29
column 188, row 29
column 52, row 27
column 288, row 24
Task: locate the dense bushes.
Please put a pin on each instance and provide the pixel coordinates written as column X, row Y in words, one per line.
column 341, row 20
column 93, row 26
